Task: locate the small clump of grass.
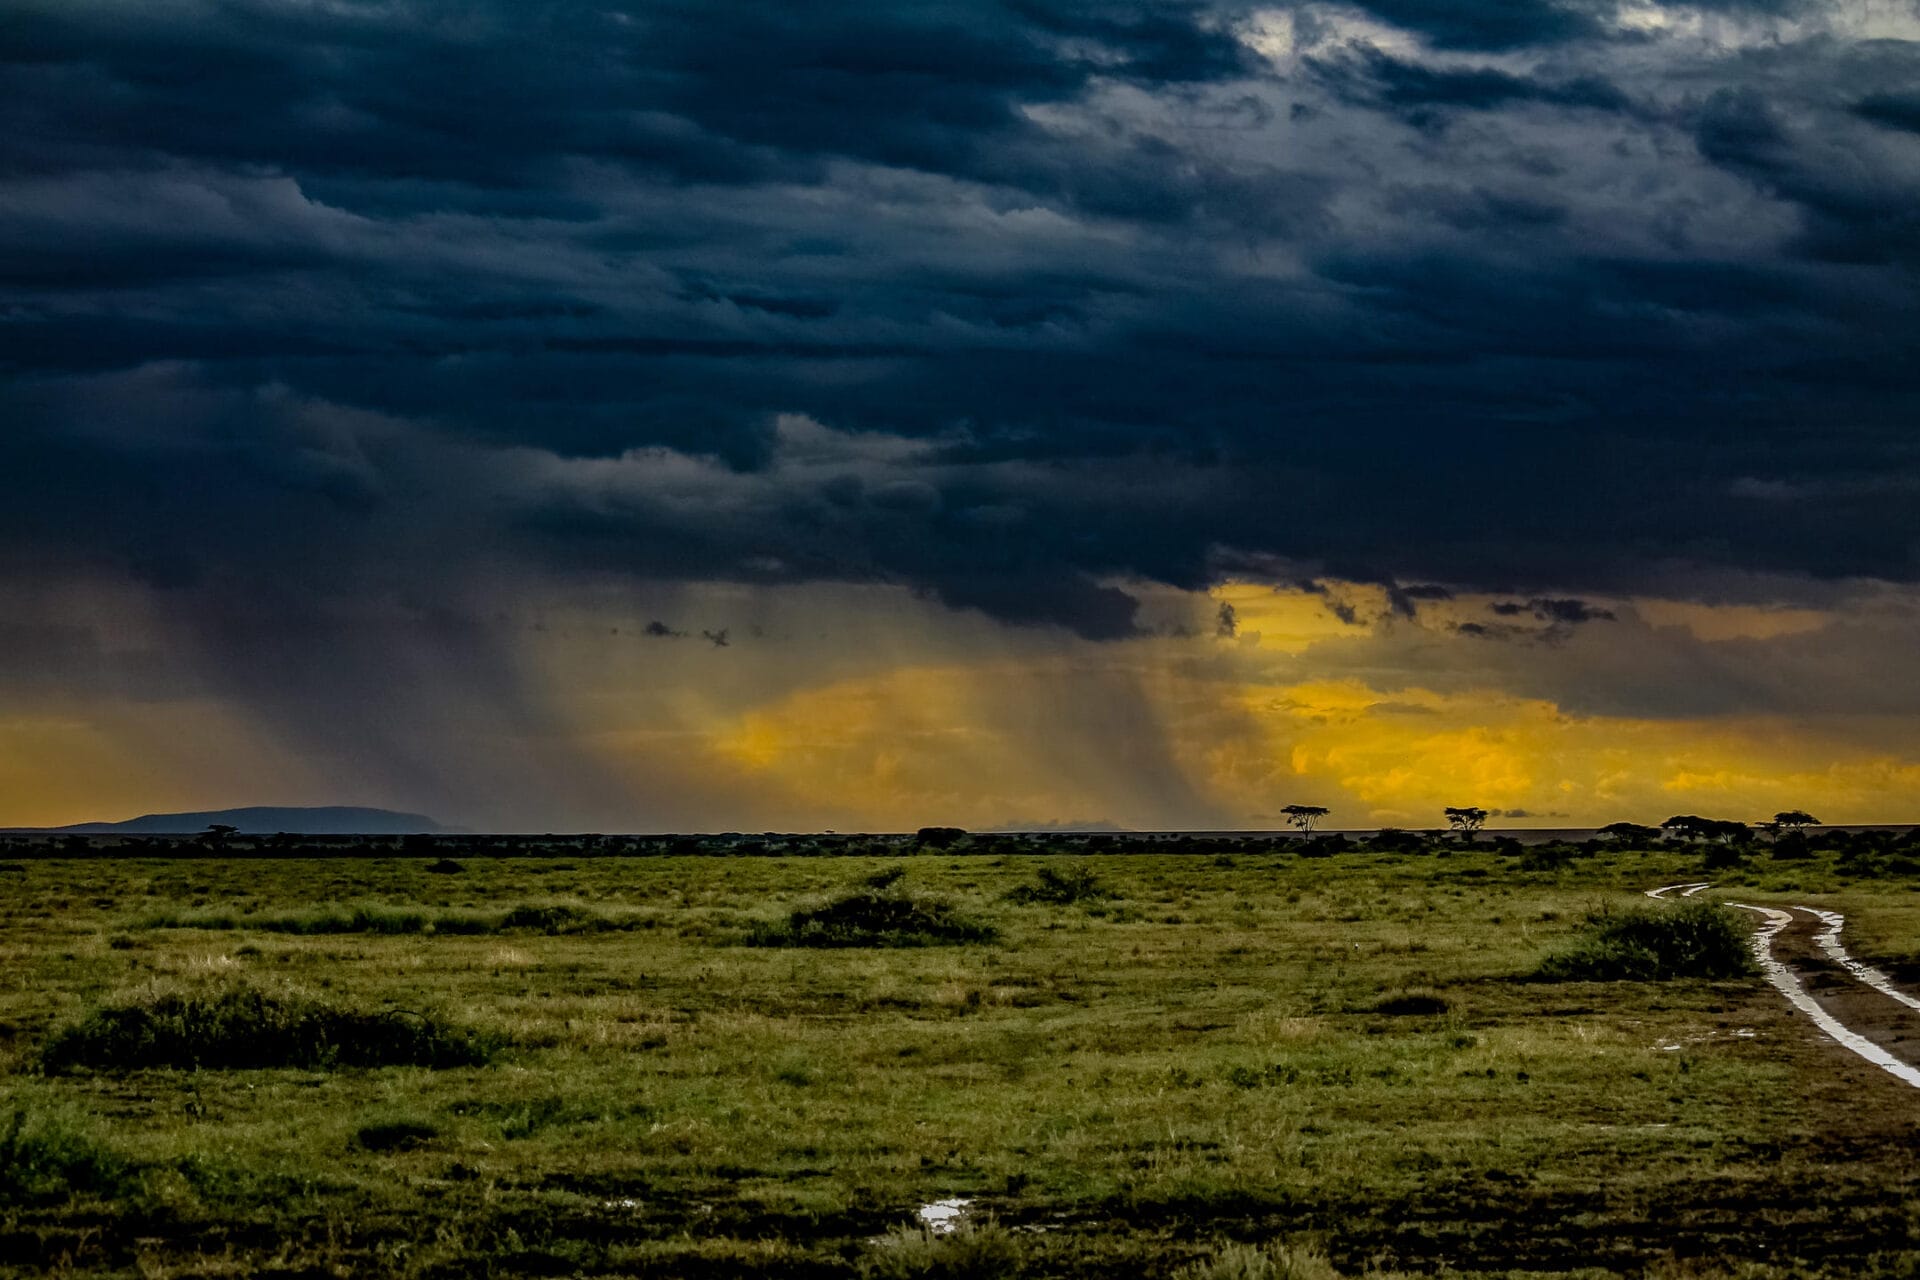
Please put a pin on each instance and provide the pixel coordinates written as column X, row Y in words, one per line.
column 394, row 1135
column 1690, row 940
column 874, row 918
column 1260, row 1262
column 556, row 918
column 1415, row 1002
column 1060, row 888
column 47, row 1158
column 971, row 1251
column 243, row 1028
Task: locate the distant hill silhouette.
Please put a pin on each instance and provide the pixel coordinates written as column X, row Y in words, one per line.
column 331, row 820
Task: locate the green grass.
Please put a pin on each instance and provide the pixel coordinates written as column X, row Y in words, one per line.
column 1285, row 1066
column 49, row 1158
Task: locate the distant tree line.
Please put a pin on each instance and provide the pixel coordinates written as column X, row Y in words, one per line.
column 1790, row 834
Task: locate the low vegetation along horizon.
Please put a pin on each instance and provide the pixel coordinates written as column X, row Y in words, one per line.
column 1203, row 1058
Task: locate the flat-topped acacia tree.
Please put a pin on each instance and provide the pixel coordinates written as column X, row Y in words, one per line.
column 1302, row 817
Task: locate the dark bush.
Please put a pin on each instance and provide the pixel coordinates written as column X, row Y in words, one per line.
column 873, row 919
column 44, row 1160
column 242, row 1029
column 1059, row 888
column 1550, row 855
column 886, row 877
column 1394, row 840
column 1649, row 944
column 445, row 867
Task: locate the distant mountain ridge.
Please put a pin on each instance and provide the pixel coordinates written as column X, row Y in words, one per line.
column 262, row 820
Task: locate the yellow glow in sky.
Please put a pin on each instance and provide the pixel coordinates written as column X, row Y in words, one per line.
column 819, row 714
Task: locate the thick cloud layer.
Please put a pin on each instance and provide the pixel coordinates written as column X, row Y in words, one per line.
column 332, row 332
column 1510, row 294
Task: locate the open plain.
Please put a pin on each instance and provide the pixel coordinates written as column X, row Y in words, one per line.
column 1132, row 1062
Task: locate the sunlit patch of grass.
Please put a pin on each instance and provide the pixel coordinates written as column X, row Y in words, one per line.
column 50, row 1156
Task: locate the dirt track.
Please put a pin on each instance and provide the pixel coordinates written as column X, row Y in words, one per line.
column 1854, row 1004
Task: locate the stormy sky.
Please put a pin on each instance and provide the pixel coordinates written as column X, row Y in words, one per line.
column 645, row 415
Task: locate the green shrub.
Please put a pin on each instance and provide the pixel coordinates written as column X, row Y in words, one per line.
column 982, row 1251
column 1059, row 888
column 243, row 1028
column 46, row 1158
column 1654, row 944
column 870, row 918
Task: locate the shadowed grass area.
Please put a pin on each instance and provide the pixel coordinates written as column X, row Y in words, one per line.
column 376, row 918
column 874, row 918
column 394, row 1135
column 1655, row 944
column 245, row 1028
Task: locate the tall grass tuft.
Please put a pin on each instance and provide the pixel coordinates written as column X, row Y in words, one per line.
column 1260, row 1262
column 1689, row 940
column 46, row 1158
column 874, row 918
column 243, row 1028
column 971, row 1251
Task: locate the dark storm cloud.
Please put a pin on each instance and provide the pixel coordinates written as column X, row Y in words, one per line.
column 359, row 301
column 1894, row 110
column 1488, row 24
column 1568, row 612
column 1424, row 94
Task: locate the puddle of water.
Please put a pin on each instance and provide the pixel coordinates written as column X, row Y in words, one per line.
column 942, row 1216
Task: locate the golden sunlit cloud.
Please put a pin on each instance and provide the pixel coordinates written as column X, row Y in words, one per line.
column 867, row 708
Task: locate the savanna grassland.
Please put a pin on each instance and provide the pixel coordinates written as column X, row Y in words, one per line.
column 1259, row 1064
